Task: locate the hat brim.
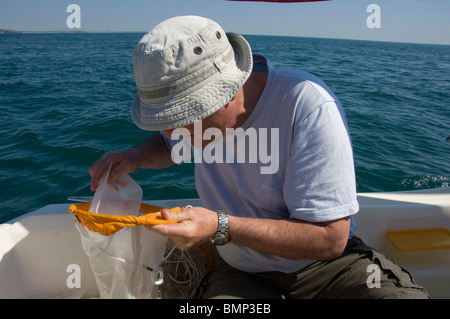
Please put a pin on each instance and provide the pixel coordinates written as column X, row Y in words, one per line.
column 211, row 96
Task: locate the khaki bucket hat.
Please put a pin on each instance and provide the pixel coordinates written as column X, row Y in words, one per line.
column 185, row 69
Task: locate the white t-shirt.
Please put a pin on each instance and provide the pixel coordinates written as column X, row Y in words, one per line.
column 306, row 172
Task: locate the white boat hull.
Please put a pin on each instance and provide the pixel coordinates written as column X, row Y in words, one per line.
column 38, row 250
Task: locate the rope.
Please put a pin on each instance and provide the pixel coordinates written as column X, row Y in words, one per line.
column 183, row 272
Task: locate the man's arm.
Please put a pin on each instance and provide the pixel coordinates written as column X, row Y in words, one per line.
column 291, row 238
column 152, row 153
column 286, row 238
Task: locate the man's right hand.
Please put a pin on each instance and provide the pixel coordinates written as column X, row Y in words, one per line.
column 123, row 162
column 152, row 153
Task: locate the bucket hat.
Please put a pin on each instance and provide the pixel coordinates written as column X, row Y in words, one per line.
column 185, row 69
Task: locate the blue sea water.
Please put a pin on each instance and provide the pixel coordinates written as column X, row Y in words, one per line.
column 65, row 100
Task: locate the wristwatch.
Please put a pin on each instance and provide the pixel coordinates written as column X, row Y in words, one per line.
column 222, row 236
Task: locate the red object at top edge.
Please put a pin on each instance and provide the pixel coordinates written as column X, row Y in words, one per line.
column 285, row 1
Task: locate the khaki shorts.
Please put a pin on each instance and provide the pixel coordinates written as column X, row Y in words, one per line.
column 360, row 272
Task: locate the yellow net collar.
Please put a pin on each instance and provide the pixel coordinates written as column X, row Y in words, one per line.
column 109, row 224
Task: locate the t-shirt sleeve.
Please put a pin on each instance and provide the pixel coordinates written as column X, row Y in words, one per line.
column 320, row 179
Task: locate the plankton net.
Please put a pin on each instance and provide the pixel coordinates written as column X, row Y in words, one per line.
column 130, row 261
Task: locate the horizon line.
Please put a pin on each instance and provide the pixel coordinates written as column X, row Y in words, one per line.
column 10, row 31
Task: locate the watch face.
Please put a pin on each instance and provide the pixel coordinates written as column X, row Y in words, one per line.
column 220, row 239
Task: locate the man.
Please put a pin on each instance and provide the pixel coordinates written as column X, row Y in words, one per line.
column 283, row 229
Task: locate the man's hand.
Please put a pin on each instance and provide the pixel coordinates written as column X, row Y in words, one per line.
column 195, row 226
column 152, row 153
column 123, row 162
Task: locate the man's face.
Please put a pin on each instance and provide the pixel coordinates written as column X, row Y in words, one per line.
column 196, row 130
column 225, row 117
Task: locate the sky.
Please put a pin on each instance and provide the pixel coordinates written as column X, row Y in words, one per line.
column 416, row 21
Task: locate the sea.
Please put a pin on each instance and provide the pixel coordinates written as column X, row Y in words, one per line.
column 65, row 100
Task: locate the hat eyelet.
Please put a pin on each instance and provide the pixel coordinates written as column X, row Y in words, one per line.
column 198, row 50
column 218, row 35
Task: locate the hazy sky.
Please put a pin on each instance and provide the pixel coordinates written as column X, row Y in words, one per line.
column 418, row 21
